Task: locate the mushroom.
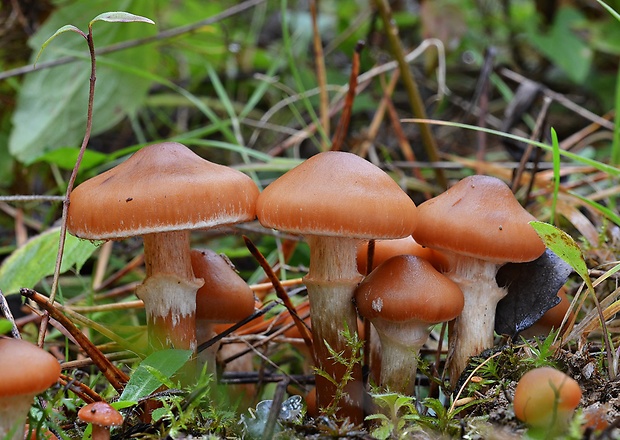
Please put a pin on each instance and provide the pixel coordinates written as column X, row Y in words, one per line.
column 102, row 417
column 552, row 319
column 545, row 399
column 403, row 297
column 224, row 297
column 161, row 193
column 336, row 199
column 478, row 225
column 385, row 249
column 25, row 371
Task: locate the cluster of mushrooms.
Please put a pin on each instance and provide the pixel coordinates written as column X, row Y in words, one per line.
column 338, row 202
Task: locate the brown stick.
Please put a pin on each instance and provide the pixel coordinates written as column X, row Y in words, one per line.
column 116, row 377
column 280, row 292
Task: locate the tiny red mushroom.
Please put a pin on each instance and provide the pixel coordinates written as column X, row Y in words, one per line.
column 545, row 399
column 102, row 416
column 478, row 225
column 335, row 199
column 25, row 371
column 403, row 297
column 161, row 193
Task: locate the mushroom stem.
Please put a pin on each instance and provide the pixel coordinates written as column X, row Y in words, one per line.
column 169, row 291
column 100, row 432
column 473, row 331
column 400, row 348
column 331, row 282
column 13, row 414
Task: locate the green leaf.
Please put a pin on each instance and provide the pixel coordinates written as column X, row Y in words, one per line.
column 35, row 260
column 143, row 382
column 52, row 103
column 563, row 46
column 66, row 158
column 563, row 246
column 121, row 17
column 62, row 30
column 5, row 326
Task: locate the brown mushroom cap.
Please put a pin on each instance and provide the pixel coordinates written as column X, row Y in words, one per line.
column 101, row 414
column 162, row 187
column 337, row 194
column 224, row 296
column 385, row 249
column 539, row 391
column 25, row 368
column 407, row 288
column 479, row 217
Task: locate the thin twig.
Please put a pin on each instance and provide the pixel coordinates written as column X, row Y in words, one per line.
column 116, row 377
column 345, row 117
column 321, row 74
column 6, row 312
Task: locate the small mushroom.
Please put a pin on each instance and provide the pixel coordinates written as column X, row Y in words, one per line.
column 545, row 399
column 478, row 225
column 385, row 249
column 102, row 417
column 403, row 297
column 25, row 371
column 223, row 298
column 552, row 319
column 336, row 199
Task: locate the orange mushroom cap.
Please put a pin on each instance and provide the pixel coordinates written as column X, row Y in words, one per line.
column 224, row 296
column 408, row 288
column 385, row 249
column 337, row 194
column 100, row 414
column 479, row 217
column 162, row 187
column 25, row 368
column 543, row 394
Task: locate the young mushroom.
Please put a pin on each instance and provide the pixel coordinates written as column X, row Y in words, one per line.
column 336, row 199
column 545, row 399
column 224, row 297
column 25, row 371
column 403, row 297
column 161, row 193
column 478, row 225
column 102, row 417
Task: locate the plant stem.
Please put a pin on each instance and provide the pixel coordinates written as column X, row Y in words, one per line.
column 415, row 100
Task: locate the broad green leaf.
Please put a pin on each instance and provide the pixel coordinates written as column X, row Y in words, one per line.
column 143, row 382
column 51, row 105
column 5, row 326
column 121, row 17
column 62, row 30
column 66, row 158
column 36, row 259
column 563, row 246
column 563, row 46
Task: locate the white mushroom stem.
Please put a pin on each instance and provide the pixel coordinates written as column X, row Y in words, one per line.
column 400, row 349
column 331, row 282
column 169, row 291
column 473, row 331
column 13, row 414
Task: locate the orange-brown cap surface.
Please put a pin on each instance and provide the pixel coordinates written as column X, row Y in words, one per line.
column 25, row 368
column 540, row 390
column 101, row 414
column 479, row 217
column 406, row 288
column 337, row 194
column 385, row 249
column 225, row 296
column 162, row 187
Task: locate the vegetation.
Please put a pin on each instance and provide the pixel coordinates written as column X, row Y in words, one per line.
column 522, row 90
